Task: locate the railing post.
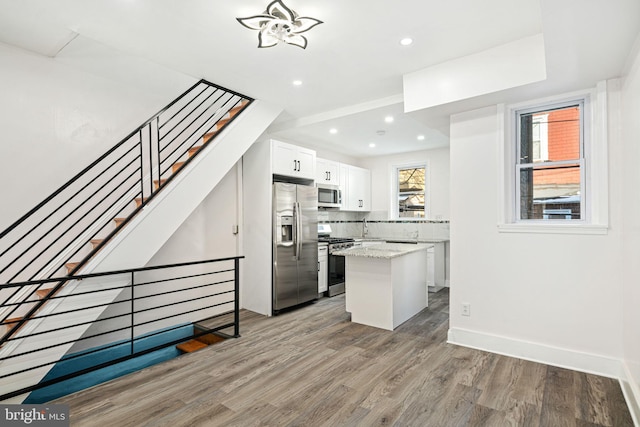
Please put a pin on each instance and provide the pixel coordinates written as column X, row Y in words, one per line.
column 132, row 311
column 141, row 166
column 236, row 310
column 159, row 163
column 150, row 162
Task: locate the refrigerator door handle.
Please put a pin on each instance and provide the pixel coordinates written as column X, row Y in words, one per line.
column 297, row 240
column 295, row 231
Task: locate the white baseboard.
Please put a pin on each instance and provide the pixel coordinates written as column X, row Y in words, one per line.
column 631, row 393
column 535, row 352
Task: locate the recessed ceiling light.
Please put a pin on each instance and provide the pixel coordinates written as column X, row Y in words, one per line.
column 406, row 41
column 388, row 119
column 420, row 137
column 333, row 130
column 372, row 145
column 297, row 82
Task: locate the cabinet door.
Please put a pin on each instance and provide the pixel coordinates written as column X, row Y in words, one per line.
column 306, row 159
column 333, row 170
column 344, row 187
column 327, row 172
column 322, row 175
column 284, row 159
column 323, row 269
column 291, row 160
column 359, row 184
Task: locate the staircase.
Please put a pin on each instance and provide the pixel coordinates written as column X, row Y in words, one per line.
column 139, row 191
column 202, row 340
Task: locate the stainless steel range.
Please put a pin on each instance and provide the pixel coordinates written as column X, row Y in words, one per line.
column 336, row 276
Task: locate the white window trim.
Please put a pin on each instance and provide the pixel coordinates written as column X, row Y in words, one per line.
column 393, row 207
column 596, row 219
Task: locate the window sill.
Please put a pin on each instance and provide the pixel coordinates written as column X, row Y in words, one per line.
column 594, row 229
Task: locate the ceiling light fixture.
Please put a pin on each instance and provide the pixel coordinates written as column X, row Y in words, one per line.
column 406, row 41
column 297, row 82
column 333, row 131
column 279, row 24
column 388, row 119
column 372, row 145
column 420, row 137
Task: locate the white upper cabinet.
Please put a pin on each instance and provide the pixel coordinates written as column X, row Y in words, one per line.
column 327, row 172
column 294, row 161
column 355, row 183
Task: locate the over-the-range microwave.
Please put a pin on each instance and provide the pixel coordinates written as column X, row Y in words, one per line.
column 329, row 196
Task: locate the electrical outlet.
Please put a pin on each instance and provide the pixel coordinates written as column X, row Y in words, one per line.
column 466, row 309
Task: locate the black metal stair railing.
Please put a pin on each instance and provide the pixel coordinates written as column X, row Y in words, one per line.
column 153, row 302
column 68, row 227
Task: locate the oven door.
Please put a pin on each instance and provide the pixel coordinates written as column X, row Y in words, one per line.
column 336, row 274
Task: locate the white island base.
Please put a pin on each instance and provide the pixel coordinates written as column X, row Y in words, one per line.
column 385, row 292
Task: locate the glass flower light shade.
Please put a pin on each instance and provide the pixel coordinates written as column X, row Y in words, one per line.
column 279, row 24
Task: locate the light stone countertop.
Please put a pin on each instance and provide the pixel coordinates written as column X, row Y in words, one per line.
column 398, row 240
column 383, row 250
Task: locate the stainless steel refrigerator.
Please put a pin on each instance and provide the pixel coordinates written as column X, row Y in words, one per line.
column 295, row 244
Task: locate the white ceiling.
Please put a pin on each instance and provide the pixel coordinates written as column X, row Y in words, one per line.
column 353, row 66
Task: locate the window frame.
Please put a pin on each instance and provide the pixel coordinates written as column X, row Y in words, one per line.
column 395, row 190
column 581, row 102
column 596, row 175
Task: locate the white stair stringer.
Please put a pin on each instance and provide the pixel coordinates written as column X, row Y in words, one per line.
column 145, row 234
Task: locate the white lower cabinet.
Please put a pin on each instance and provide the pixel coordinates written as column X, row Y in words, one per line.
column 323, row 266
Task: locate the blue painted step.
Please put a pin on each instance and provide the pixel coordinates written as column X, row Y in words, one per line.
column 92, row 357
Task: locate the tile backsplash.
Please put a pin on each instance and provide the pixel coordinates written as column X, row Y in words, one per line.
column 351, row 224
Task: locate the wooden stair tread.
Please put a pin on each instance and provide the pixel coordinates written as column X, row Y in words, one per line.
column 194, row 150
column 71, row 266
column 176, row 166
column 43, row 293
column 221, row 123
column 95, row 242
column 191, row 346
column 209, row 135
column 138, row 201
column 158, row 182
column 119, row 221
column 8, row 324
column 211, row 339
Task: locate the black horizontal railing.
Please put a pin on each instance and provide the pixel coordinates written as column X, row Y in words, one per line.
column 117, row 310
column 71, row 225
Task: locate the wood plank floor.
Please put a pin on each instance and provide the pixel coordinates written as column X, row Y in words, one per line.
column 313, row 367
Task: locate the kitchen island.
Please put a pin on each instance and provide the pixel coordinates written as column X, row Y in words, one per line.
column 385, row 284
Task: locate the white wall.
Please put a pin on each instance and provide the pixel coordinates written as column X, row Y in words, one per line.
column 554, row 298
column 207, row 232
column 438, row 179
column 631, row 218
column 57, row 115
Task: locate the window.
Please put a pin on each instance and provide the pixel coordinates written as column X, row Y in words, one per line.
column 554, row 176
column 410, row 191
column 550, row 163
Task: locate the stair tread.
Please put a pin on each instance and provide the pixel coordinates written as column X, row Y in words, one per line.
column 176, row 166
column 210, row 339
column 159, row 182
column 194, row 150
column 191, row 346
column 43, row 293
column 71, row 266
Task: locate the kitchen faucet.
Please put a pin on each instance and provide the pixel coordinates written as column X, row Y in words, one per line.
column 365, row 228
